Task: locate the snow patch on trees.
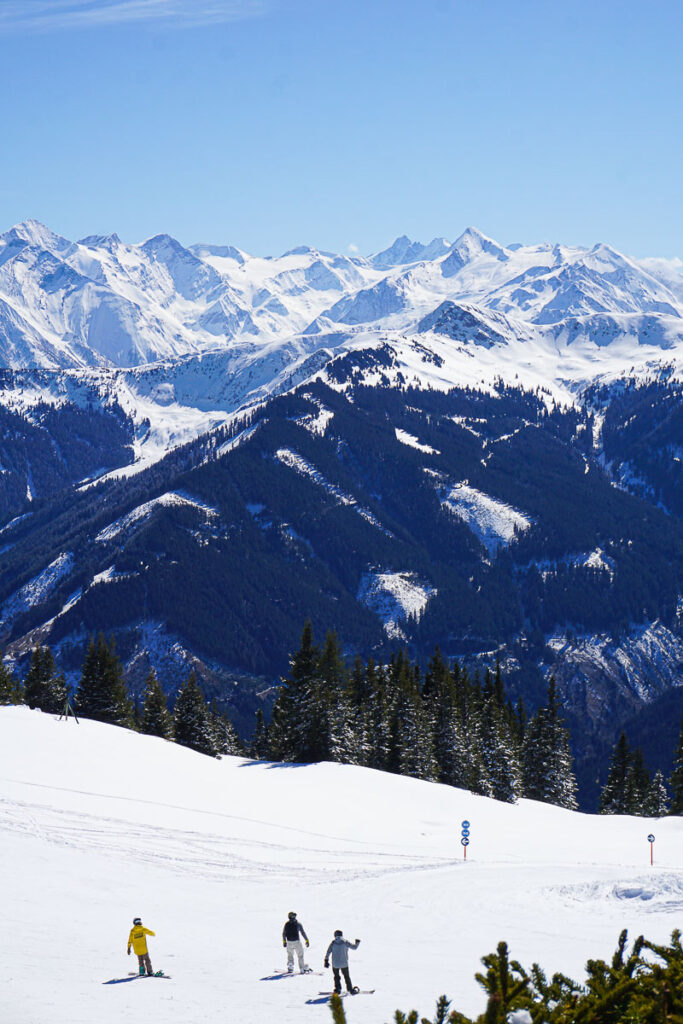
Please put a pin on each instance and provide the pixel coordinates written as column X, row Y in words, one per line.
column 394, row 596
column 595, row 559
column 235, row 442
column 299, row 464
column 316, row 423
column 39, row 588
column 412, row 442
column 138, row 515
column 494, row 522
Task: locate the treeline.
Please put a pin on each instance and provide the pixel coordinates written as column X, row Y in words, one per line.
column 444, row 725
column 644, row 985
column 630, row 789
column 103, row 696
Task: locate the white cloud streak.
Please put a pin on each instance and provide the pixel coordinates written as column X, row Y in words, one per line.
column 53, row 15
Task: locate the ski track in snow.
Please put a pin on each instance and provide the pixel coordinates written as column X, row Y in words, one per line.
column 100, row 824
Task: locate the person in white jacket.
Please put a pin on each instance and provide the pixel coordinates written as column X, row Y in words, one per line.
column 338, row 953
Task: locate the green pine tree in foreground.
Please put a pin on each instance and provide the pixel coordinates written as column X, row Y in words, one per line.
column 156, row 719
column 44, row 687
column 102, row 692
column 643, row 986
column 10, row 687
column 192, row 719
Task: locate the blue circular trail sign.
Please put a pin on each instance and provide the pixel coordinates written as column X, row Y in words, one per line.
column 465, row 841
column 650, row 838
column 465, row 824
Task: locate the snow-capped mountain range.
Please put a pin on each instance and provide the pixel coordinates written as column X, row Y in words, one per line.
column 102, row 302
column 185, row 337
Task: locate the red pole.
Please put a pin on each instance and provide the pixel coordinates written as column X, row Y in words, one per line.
column 464, row 852
column 652, row 853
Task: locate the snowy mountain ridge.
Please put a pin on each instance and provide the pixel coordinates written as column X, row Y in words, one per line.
column 185, row 337
column 100, row 301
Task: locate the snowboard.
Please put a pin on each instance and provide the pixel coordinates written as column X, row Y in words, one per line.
column 358, row 992
column 294, row 974
column 157, row 974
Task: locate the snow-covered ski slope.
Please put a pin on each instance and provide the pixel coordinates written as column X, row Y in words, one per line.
column 100, row 825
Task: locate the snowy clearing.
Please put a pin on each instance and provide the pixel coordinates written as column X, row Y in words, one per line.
column 412, row 442
column 393, row 596
column 39, row 588
column 100, row 825
column 490, row 519
column 138, row 515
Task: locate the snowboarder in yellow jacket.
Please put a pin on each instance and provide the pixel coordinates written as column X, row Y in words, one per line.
column 137, row 940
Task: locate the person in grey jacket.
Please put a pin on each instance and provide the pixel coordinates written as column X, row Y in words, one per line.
column 338, row 953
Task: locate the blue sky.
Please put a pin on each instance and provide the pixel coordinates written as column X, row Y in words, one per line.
column 272, row 123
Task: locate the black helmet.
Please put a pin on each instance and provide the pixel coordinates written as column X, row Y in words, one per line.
column 338, row 934
column 137, row 920
column 291, row 915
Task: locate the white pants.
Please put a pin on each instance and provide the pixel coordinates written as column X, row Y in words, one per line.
column 292, row 948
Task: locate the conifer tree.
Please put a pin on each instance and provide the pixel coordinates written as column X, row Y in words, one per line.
column 478, row 778
column 656, row 801
column 226, row 740
column 501, row 752
column 637, row 784
column 357, row 697
column 285, row 740
column 379, row 717
column 327, row 715
column 258, row 747
column 156, row 719
column 613, row 795
column 102, row 693
column 192, row 719
column 412, row 739
column 440, row 695
column 11, row 691
column 676, row 780
column 548, row 768
column 44, row 687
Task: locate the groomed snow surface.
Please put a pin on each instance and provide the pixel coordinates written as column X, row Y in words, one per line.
column 100, row 825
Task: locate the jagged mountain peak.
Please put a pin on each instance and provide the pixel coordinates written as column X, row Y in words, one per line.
column 35, row 233
column 109, row 242
column 403, row 250
column 475, row 241
column 164, row 242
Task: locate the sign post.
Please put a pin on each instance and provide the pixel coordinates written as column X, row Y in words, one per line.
column 651, row 841
column 465, row 826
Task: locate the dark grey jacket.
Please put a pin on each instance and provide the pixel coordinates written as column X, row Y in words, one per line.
column 292, row 929
column 338, row 951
